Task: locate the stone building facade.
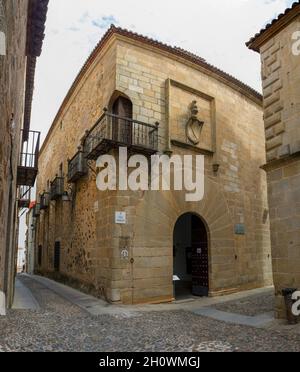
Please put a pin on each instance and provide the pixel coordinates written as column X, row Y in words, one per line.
column 279, row 46
column 21, row 35
column 218, row 245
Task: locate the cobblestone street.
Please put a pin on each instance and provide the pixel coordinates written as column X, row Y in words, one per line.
column 61, row 326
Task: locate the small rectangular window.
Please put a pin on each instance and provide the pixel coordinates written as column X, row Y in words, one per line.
column 57, row 256
column 40, row 255
column 61, row 170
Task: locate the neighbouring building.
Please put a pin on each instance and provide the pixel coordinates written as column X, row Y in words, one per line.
column 30, row 239
column 21, row 34
column 21, row 260
column 136, row 92
column 279, row 46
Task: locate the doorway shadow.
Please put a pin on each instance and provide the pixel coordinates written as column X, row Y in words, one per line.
column 190, row 257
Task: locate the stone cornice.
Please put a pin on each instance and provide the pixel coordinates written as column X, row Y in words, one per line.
column 37, row 13
column 278, row 163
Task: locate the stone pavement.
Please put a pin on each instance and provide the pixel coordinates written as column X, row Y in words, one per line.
column 253, row 308
column 259, row 321
column 23, row 299
column 60, row 325
column 95, row 306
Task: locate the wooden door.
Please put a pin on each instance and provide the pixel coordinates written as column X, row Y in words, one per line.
column 122, row 126
column 200, row 276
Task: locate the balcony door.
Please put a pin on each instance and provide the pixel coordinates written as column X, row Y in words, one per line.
column 122, row 125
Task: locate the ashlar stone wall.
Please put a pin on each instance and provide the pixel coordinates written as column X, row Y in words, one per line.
column 161, row 87
column 281, row 86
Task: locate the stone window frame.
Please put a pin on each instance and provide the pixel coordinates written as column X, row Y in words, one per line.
column 174, row 83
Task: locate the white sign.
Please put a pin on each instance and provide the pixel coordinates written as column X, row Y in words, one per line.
column 176, row 278
column 124, row 254
column 120, row 218
column 96, row 207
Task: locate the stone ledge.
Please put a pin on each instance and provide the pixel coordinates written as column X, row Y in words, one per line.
column 278, row 163
column 191, row 147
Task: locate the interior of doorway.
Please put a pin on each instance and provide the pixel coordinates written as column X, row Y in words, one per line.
column 190, row 257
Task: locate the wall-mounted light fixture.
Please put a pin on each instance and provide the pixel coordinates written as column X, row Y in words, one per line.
column 216, row 167
column 65, row 197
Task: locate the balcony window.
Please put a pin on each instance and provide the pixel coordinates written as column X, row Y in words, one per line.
column 28, row 162
column 122, row 128
column 57, row 188
column 113, row 131
column 44, row 200
column 24, row 195
column 77, row 167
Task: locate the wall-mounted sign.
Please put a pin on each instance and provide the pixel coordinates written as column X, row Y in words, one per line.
column 239, row 229
column 120, row 218
column 124, row 254
column 96, row 206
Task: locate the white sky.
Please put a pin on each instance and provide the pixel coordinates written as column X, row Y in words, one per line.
column 214, row 29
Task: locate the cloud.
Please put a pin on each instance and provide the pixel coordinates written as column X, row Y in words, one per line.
column 104, row 22
column 216, row 30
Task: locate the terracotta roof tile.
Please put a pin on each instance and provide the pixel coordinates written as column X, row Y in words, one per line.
column 174, row 50
column 223, row 76
column 280, row 17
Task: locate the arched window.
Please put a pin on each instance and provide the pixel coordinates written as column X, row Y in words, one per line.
column 122, row 120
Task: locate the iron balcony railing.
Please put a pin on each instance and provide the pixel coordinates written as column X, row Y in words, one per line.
column 112, row 131
column 44, row 200
column 24, row 196
column 57, row 188
column 28, row 162
column 77, row 167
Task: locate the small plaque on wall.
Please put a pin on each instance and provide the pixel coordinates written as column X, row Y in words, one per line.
column 239, row 229
column 120, row 218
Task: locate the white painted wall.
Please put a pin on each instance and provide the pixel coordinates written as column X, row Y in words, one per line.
column 21, row 259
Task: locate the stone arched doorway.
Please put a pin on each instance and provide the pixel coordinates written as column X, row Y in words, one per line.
column 190, row 256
